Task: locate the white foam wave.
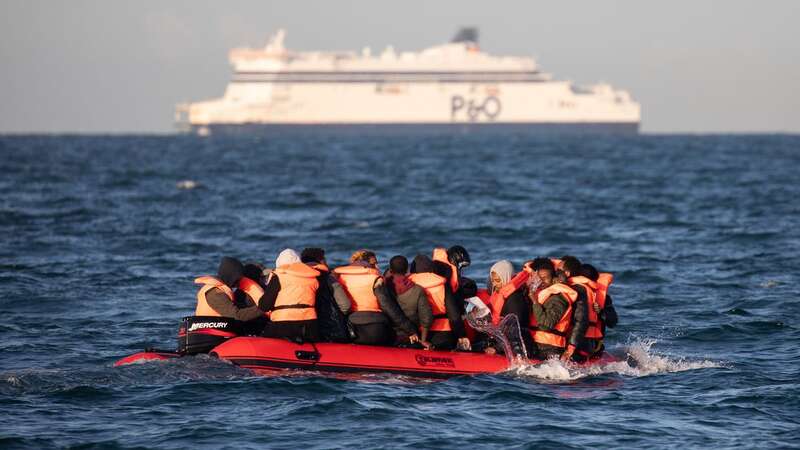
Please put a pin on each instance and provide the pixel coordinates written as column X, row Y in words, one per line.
column 187, row 184
column 640, row 361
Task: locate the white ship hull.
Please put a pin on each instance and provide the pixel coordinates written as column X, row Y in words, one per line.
column 273, row 90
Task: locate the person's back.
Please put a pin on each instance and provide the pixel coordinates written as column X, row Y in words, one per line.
column 290, row 296
column 412, row 301
column 447, row 330
column 601, row 311
column 585, row 288
column 372, row 312
column 216, row 295
column 332, row 322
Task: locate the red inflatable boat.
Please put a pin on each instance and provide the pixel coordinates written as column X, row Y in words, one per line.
column 266, row 355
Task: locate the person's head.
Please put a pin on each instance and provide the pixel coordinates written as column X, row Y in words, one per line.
column 365, row 257
column 313, row 255
column 545, row 270
column 590, row 272
column 253, row 271
column 286, row 257
column 230, row 271
column 571, row 266
column 422, row 264
column 458, row 256
column 500, row 274
column 398, row 265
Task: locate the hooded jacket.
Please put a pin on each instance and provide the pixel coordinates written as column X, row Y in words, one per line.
column 411, row 299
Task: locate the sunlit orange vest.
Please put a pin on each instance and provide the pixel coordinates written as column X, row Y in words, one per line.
column 557, row 337
column 298, row 294
column 359, row 284
column 208, row 282
column 440, row 254
column 595, row 329
column 498, row 299
column 251, row 288
column 434, row 286
column 591, row 294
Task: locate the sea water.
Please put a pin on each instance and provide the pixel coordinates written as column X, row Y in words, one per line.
column 101, row 237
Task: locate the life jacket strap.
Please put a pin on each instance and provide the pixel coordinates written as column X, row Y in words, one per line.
column 548, row 330
column 297, row 306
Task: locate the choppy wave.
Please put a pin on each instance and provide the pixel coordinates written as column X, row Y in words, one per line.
column 101, row 237
column 638, row 359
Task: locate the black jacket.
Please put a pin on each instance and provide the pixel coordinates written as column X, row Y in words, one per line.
column 517, row 303
column 608, row 315
column 580, row 317
column 332, row 322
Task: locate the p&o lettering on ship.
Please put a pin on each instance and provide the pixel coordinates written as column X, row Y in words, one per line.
column 475, row 109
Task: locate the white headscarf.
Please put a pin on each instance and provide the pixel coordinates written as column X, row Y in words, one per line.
column 288, row 256
column 504, row 269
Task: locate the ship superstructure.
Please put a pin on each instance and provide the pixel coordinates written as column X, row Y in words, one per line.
column 451, row 84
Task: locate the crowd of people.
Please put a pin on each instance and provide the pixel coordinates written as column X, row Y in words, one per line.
column 562, row 305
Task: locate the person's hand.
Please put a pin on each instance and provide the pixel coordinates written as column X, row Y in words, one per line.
column 567, row 355
column 489, row 351
column 463, row 344
column 413, row 338
column 528, row 266
column 426, row 345
column 596, row 307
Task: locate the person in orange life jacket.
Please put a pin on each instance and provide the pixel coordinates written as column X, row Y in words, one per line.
column 449, row 264
column 290, row 297
column 570, row 270
column 333, row 326
column 372, row 312
column 605, row 316
column 249, row 291
column 216, row 297
column 507, row 295
column 551, row 311
column 447, row 330
column 412, row 300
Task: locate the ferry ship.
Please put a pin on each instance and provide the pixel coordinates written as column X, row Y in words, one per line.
column 451, row 86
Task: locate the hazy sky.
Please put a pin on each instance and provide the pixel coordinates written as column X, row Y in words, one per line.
column 114, row 66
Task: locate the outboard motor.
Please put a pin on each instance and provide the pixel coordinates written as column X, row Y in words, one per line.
column 200, row 334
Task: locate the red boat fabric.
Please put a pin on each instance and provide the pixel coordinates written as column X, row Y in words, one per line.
column 266, row 355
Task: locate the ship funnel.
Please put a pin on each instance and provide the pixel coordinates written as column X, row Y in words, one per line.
column 467, row 35
column 275, row 44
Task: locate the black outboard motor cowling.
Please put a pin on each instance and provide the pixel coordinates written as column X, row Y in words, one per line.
column 200, row 334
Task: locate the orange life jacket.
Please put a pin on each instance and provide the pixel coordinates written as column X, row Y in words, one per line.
column 435, row 291
column 591, row 294
column 440, row 254
column 251, row 288
column 208, row 282
column 595, row 329
column 359, row 284
column 498, row 299
column 557, row 336
column 298, row 294
column 319, row 266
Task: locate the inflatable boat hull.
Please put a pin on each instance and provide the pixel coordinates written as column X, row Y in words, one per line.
column 264, row 354
column 267, row 355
